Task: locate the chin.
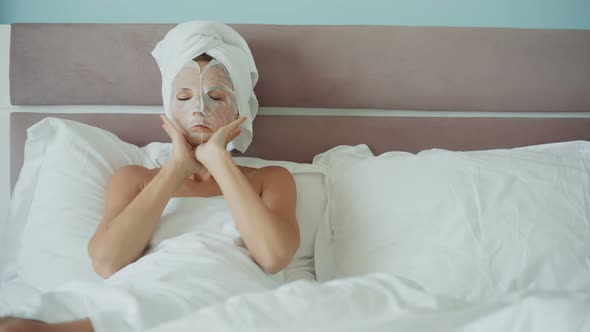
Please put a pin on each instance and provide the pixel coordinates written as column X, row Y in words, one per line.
column 195, row 142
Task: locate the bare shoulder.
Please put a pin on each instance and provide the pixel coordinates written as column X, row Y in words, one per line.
column 279, row 194
column 274, row 171
column 276, row 178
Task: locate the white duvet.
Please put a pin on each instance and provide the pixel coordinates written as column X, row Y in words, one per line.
column 147, row 299
column 198, row 276
column 380, row 302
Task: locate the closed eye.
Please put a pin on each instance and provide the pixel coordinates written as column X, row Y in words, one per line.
column 216, row 94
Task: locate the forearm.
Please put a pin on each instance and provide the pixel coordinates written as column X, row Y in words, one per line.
column 262, row 233
column 124, row 239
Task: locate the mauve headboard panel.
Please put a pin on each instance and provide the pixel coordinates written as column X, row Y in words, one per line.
column 364, row 67
column 299, row 138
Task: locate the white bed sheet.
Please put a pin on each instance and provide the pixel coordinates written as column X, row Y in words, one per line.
column 16, row 292
column 385, row 303
column 376, row 302
column 178, row 276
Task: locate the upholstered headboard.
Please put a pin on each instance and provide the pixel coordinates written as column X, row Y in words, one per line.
column 395, row 79
column 360, row 67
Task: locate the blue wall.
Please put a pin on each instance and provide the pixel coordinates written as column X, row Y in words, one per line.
column 553, row 14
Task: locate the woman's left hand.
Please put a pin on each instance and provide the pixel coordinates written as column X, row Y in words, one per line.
column 218, row 142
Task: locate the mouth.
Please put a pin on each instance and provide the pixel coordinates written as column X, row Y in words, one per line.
column 200, row 127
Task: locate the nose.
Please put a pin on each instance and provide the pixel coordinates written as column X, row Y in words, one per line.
column 203, row 111
column 198, row 110
column 196, row 107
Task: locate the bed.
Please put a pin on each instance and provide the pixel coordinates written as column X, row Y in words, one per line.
column 470, row 145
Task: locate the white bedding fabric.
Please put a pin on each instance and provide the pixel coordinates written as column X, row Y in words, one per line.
column 381, row 302
column 204, row 280
column 470, row 225
column 177, row 276
column 15, row 291
column 196, row 257
column 375, row 302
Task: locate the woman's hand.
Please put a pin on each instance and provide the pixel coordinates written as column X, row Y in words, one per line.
column 217, row 144
column 183, row 153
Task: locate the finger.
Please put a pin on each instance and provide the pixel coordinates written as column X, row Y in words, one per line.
column 233, row 136
column 166, row 130
column 236, row 123
column 170, row 127
column 237, row 133
column 164, row 119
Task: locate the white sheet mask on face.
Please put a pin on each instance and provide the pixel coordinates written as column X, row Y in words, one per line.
column 207, row 99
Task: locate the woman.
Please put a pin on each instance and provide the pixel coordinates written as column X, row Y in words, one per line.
column 262, row 201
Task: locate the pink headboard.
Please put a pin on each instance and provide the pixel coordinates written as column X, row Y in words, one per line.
column 361, row 67
column 332, row 67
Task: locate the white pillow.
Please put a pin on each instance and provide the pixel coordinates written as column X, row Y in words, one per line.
column 464, row 224
column 66, row 170
column 59, row 199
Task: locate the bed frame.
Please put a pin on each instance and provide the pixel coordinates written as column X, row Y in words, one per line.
column 502, row 87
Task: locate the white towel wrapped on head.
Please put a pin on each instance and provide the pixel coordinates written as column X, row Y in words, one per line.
column 191, row 39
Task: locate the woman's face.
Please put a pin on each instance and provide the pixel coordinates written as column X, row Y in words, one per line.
column 202, row 100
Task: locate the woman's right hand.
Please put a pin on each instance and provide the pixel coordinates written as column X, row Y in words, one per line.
column 183, row 153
